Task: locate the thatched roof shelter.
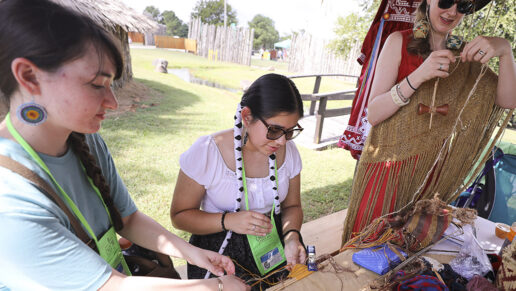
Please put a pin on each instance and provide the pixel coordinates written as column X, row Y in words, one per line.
column 111, row 14
column 117, row 18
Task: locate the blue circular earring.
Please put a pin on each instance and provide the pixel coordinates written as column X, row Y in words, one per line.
column 31, row 113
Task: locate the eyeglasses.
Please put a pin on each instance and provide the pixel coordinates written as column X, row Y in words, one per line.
column 463, row 6
column 274, row 132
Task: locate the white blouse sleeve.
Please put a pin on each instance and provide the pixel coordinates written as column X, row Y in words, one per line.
column 293, row 159
column 199, row 162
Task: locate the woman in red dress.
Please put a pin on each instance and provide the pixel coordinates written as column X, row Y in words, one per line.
column 404, row 64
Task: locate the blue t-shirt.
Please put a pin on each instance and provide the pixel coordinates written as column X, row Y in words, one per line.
column 38, row 249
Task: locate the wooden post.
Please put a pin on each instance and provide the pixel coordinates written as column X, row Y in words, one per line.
column 319, row 121
column 317, row 85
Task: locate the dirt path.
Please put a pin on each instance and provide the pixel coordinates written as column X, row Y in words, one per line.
column 132, row 96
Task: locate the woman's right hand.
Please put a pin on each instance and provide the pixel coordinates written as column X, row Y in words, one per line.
column 248, row 222
column 232, row 282
column 437, row 64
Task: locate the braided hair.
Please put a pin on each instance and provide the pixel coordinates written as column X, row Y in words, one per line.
column 77, row 142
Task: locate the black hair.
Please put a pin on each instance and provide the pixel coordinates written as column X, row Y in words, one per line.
column 272, row 94
column 49, row 35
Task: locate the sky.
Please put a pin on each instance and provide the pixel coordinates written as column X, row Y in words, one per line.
column 314, row 16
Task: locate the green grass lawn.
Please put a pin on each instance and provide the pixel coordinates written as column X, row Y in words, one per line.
column 231, row 75
column 146, row 145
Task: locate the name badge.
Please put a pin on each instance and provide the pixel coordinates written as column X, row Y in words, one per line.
column 109, row 250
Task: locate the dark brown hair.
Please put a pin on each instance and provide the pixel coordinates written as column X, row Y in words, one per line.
column 272, row 94
column 50, row 35
column 420, row 46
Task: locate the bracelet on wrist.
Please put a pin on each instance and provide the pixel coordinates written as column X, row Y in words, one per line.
column 410, row 85
column 222, row 221
column 396, row 98
column 402, row 97
column 292, row 230
column 221, row 284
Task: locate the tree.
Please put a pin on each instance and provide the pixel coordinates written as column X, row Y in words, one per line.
column 175, row 26
column 265, row 35
column 212, row 12
column 353, row 27
column 502, row 15
column 154, row 13
column 499, row 23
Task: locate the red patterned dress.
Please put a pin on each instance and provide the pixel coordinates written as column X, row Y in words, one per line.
column 392, row 15
column 408, row 64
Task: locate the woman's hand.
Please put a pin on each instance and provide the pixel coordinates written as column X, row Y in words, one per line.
column 294, row 251
column 248, row 222
column 234, row 283
column 211, row 261
column 483, row 48
column 436, row 65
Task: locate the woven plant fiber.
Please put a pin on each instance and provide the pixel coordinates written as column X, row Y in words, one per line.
column 416, row 161
column 506, row 277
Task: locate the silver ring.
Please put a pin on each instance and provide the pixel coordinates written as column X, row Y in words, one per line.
column 481, row 52
column 254, row 227
column 440, row 67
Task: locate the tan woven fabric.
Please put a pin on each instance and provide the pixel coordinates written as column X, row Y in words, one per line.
column 406, row 142
column 506, row 278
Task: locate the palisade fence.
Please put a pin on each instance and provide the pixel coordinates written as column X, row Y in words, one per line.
column 222, row 43
column 310, row 55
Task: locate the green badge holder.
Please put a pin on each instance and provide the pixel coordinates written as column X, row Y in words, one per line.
column 268, row 252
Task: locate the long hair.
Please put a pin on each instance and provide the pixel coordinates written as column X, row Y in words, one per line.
column 420, row 46
column 272, row 94
column 49, row 35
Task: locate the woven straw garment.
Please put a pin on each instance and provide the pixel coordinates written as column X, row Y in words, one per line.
column 426, row 161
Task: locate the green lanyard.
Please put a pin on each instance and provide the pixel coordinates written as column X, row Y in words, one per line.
column 107, row 245
column 42, row 164
column 245, row 187
column 268, row 252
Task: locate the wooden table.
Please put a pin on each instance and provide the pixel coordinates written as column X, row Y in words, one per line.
column 355, row 278
column 358, row 278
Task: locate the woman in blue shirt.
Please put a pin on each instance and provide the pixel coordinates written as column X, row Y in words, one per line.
column 57, row 69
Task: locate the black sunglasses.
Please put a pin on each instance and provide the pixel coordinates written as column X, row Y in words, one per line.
column 274, row 132
column 463, row 6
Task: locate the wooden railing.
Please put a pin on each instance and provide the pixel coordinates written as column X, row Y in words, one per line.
column 323, row 99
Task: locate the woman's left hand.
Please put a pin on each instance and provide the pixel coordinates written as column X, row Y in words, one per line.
column 483, row 48
column 294, row 252
column 211, row 261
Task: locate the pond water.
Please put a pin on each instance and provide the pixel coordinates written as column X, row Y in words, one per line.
column 187, row 76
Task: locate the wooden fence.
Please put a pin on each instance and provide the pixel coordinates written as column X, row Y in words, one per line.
column 136, row 36
column 163, row 41
column 222, row 43
column 191, row 45
column 309, row 55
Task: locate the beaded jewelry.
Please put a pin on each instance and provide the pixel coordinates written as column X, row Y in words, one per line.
column 31, row 113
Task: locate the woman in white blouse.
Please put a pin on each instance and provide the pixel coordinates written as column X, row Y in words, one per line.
column 232, row 183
